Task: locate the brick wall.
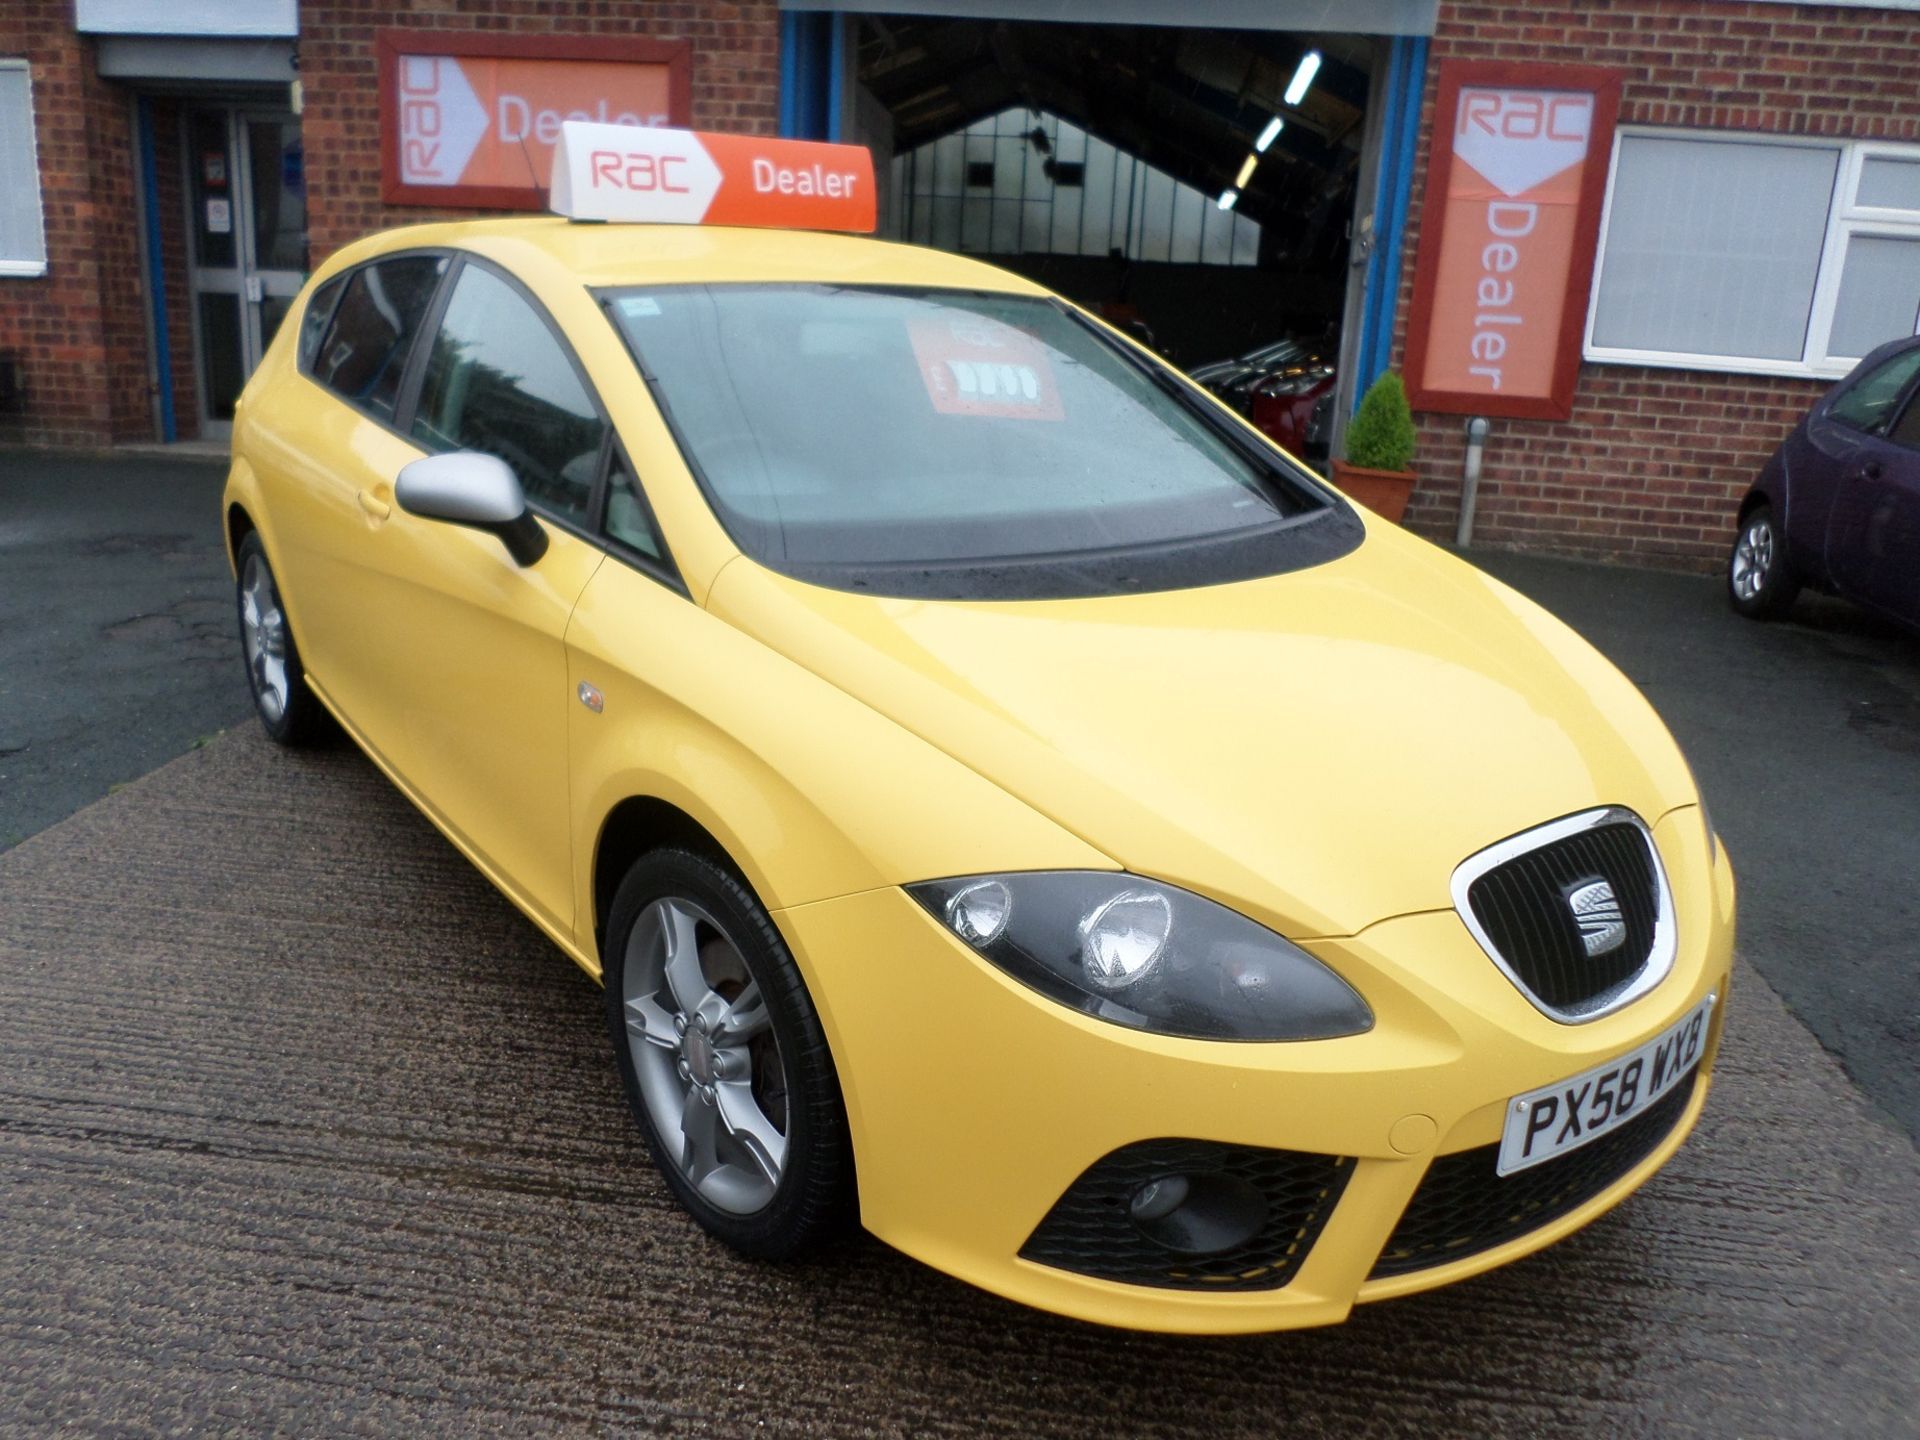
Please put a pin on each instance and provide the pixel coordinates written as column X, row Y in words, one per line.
column 1653, row 462
column 736, row 82
column 77, row 330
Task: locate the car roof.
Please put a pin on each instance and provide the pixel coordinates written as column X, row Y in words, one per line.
column 625, row 254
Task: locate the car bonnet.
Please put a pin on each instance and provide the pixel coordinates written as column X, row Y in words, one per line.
column 1320, row 748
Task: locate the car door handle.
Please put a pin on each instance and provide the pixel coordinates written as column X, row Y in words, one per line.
column 374, row 505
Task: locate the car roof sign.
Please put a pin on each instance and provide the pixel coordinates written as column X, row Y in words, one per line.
column 689, row 177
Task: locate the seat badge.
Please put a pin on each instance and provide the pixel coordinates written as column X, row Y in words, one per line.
column 1597, row 912
column 591, row 697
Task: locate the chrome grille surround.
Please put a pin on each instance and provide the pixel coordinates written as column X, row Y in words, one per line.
column 1654, row 966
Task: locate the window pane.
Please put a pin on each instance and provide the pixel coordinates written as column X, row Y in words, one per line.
column 313, row 324
column 22, row 239
column 498, row 381
column 1906, row 430
column 365, row 352
column 221, row 373
column 1879, row 294
column 279, row 194
column 1712, row 247
column 1870, row 398
column 211, row 175
column 848, row 427
column 1889, row 184
column 626, row 516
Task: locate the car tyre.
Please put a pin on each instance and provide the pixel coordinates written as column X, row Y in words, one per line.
column 289, row 711
column 1760, row 582
column 723, row 1057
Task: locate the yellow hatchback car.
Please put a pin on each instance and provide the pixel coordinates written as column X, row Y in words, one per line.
column 1004, row 797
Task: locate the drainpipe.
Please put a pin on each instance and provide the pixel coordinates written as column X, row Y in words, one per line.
column 1477, row 429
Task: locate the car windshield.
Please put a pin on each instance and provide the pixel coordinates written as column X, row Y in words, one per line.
column 867, row 427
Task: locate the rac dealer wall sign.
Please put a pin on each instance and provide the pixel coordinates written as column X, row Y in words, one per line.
column 1515, row 178
column 470, row 119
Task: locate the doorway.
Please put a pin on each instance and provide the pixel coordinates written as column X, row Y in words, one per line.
column 247, row 244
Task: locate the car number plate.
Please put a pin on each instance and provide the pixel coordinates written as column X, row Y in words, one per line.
column 1567, row 1114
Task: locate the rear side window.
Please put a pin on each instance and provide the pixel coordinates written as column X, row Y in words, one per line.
column 365, row 351
column 1870, row 399
column 498, row 380
column 313, row 324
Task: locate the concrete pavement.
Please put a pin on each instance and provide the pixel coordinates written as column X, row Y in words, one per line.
column 304, row 1129
column 117, row 643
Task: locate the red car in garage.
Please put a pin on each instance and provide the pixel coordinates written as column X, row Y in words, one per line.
column 1292, row 406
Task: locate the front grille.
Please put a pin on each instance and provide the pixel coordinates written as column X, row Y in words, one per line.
column 1524, row 916
column 1090, row 1230
column 1464, row 1205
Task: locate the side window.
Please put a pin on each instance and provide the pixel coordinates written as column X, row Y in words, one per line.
column 365, row 351
column 1870, row 399
column 1906, row 430
column 498, row 380
column 313, row 324
column 627, row 519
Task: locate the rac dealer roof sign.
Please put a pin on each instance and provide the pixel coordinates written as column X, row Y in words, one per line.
column 685, row 177
column 471, row 119
column 1514, row 185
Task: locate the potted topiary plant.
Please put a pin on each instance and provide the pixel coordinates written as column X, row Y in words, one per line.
column 1378, row 470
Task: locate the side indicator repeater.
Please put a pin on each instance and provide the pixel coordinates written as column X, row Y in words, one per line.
column 591, row 697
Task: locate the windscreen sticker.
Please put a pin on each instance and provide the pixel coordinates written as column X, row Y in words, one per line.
column 636, row 307
column 975, row 366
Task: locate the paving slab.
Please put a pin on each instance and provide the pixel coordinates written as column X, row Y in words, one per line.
column 304, row 1129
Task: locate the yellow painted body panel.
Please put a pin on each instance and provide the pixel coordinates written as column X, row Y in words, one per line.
column 1317, row 750
column 969, row 1129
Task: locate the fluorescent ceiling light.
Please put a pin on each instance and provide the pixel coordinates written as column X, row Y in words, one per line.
column 1246, row 172
column 1302, row 77
column 1270, row 134
column 1228, row 198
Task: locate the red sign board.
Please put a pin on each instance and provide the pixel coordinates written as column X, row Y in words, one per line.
column 1515, row 178
column 975, row 366
column 472, row 119
column 686, row 177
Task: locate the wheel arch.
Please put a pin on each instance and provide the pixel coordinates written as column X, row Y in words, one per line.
column 1756, row 497
column 239, row 525
column 634, row 827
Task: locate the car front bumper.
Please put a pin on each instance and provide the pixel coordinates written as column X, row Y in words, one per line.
column 975, row 1104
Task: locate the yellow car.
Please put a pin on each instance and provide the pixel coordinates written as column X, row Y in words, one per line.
column 1005, row 799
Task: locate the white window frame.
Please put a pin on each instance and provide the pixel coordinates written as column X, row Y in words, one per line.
column 28, row 269
column 1845, row 220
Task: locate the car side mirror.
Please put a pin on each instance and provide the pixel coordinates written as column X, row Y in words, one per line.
column 476, row 490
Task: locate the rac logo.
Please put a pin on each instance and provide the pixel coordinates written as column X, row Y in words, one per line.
column 1519, row 139
column 640, row 172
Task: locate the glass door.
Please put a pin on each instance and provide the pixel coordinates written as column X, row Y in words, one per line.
column 247, row 214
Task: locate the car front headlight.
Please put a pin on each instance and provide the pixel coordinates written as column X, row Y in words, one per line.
column 1146, row 955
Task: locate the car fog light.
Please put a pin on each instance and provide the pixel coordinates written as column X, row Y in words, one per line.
column 1158, row 1198
column 979, row 913
column 1203, row 1214
column 1122, row 940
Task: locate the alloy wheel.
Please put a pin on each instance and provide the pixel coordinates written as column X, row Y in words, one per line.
column 705, row 1055
column 1752, row 558
column 263, row 627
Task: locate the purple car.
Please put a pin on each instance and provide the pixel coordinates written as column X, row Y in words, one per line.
column 1838, row 504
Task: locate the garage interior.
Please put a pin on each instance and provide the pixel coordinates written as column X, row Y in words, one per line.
column 1137, row 169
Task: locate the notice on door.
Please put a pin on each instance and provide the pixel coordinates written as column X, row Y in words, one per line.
column 472, row 119
column 1514, row 185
